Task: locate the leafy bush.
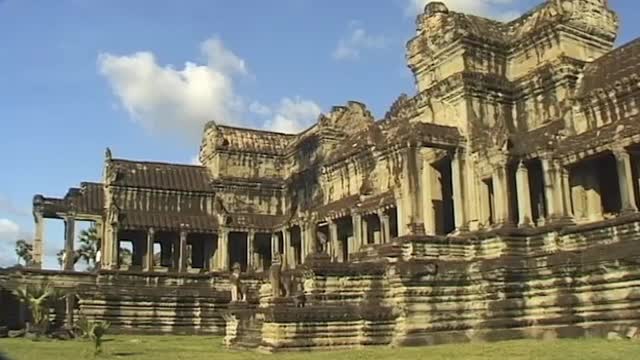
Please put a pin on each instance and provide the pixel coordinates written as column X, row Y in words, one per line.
column 93, row 330
column 39, row 298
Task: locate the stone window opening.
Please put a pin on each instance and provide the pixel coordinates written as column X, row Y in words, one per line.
column 372, row 229
column 488, row 202
column 296, row 244
column 595, row 189
column 393, row 222
column 262, row 252
column 442, row 197
column 539, row 211
column 238, row 249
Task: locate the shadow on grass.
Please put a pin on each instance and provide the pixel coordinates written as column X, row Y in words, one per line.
column 125, row 354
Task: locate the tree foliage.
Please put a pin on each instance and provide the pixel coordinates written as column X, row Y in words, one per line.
column 87, row 250
column 39, row 298
column 93, row 330
column 24, row 250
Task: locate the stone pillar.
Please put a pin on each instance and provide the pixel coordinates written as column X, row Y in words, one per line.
column 400, row 218
column 303, row 242
column 251, row 235
column 148, row 259
column 222, row 254
column 566, row 192
column 275, row 245
column 182, row 252
column 114, row 242
column 70, row 304
column 365, row 231
column 501, row 193
column 38, row 241
column 288, row 256
column 524, row 195
column 333, row 240
column 357, row 233
column 69, row 237
column 457, row 175
column 207, row 248
column 594, row 200
column 311, row 239
column 625, row 180
column 552, row 188
column 385, row 227
column 428, row 213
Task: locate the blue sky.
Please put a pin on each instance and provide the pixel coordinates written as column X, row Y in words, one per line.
column 143, row 76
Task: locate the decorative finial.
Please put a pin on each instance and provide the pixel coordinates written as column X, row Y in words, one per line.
column 107, row 154
column 435, row 7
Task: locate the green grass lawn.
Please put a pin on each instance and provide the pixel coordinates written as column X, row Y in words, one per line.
column 200, row 348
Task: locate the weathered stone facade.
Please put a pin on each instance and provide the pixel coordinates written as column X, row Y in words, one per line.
column 500, row 201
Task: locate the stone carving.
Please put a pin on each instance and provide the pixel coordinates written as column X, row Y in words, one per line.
column 275, row 277
column 322, row 242
column 507, row 179
column 238, row 289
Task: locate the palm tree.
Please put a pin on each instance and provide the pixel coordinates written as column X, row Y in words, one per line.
column 39, row 298
column 89, row 245
column 24, row 250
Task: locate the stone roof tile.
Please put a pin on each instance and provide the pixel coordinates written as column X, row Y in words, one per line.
column 162, row 176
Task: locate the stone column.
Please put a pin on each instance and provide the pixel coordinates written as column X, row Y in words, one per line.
column 275, row 245
column 182, row 252
column 69, row 237
column 101, row 243
column 222, row 254
column 401, row 219
column 365, row 231
column 357, row 233
column 311, row 238
column 333, row 240
column 385, row 227
column 524, row 195
column 594, row 200
column 207, row 248
column 287, row 257
column 501, row 193
column 566, row 192
column 114, row 244
column 251, row 235
column 458, row 195
column 38, row 241
column 625, row 181
column 551, row 188
column 148, row 263
column 70, row 304
column 428, row 213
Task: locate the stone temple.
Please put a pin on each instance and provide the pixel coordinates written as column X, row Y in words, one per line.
column 498, row 202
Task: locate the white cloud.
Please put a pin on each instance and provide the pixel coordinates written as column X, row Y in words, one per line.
column 293, row 115
column 163, row 98
column 9, row 233
column 8, row 228
column 195, row 160
column 160, row 97
column 495, row 9
column 259, row 109
column 358, row 39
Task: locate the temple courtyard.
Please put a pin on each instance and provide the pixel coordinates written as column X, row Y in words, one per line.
column 196, row 348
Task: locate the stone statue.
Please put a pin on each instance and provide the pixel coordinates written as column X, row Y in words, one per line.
column 238, row 289
column 107, row 154
column 114, row 214
column 322, row 243
column 275, row 275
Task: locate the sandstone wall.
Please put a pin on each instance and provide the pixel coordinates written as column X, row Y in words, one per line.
column 581, row 281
